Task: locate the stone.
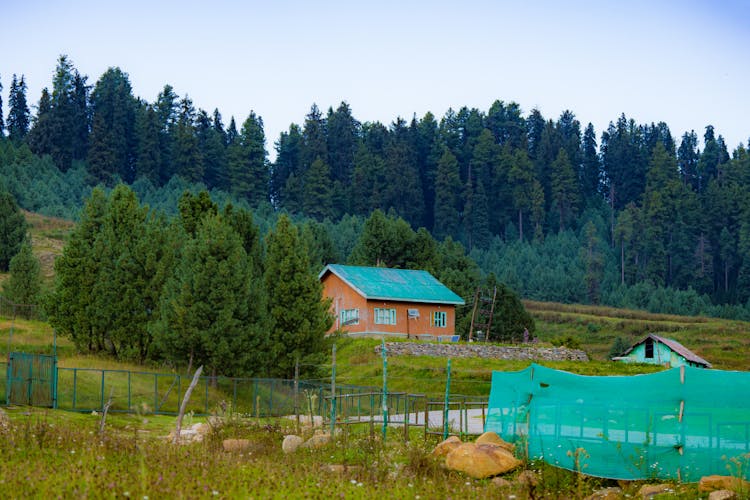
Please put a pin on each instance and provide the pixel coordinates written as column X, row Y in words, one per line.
column 717, row 482
column 613, row 493
column 651, row 490
column 291, row 443
column 4, row 420
column 341, row 469
column 236, row 445
column 445, row 447
column 481, row 460
column 528, row 479
column 501, row 482
column 722, row 495
column 201, row 428
column 317, row 441
column 492, row 438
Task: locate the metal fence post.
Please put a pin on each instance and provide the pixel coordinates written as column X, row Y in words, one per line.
column 447, row 401
column 385, row 391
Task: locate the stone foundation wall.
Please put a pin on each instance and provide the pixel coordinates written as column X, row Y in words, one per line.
column 479, row 350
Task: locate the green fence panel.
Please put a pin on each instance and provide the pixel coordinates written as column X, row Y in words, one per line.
column 681, row 424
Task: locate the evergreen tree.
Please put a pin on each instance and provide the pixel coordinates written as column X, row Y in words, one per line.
column 40, row 136
column 288, row 162
column 18, row 111
column 207, row 315
column 211, row 137
column 24, row 283
column 193, row 209
column 148, row 150
column 73, row 309
column 186, row 155
column 510, row 318
column 687, row 160
column 166, row 107
column 589, row 177
column 384, row 242
column 594, row 263
column 13, row 229
column 2, row 116
column 564, row 189
column 113, row 134
column 447, row 197
column 314, row 137
column 248, row 165
column 316, row 191
column 299, row 315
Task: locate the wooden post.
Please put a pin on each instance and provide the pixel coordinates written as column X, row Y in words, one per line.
column 105, row 410
column 185, row 400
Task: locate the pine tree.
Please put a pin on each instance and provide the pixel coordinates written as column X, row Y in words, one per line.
column 590, row 175
column 207, row 315
column 298, row 312
column 248, row 162
column 316, row 192
column 112, row 147
column 24, row 284
column 288, row 163
column 447, row 197
column 18, row 111
column 73, row 311
column 13, row 229
column 186, row 155
column 564, row 189
column 148, row 150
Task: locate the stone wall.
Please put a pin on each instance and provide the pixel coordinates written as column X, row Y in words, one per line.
column 480, row 350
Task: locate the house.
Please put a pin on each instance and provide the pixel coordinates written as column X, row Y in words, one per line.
column 397, row 302
column 662, row 351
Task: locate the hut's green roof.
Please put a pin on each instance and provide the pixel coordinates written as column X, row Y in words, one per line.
column 403, row 285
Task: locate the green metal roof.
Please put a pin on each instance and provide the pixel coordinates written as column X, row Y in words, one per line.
column 404, row 285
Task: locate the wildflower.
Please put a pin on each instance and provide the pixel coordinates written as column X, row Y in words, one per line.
column 72, row 452
column 215, row 493
column 353, row 481
column 126, row 493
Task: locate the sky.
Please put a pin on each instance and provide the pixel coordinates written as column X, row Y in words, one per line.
column 686, row 62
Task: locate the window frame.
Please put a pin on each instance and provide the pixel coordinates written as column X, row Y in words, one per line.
column 439, row 319
column 346, row 315
column 384, row 315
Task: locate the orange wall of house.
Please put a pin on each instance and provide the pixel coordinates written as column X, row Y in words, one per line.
column 343, row 297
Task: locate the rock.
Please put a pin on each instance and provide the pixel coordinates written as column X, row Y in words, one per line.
column 317, row 441
column 481, row 460
column 492, row 438
column 651, row 490
column 722, row 495
column 613, row 493
column 4, row 420
column 201, row 428
column 716, row 482
column 528, row 479
column 291, row 443
column 341, row 469
column 501, row 482
column 304, row 420
column 447, row 446
column 236, row 445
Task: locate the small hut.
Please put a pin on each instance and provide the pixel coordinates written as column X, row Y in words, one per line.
column 661, row 351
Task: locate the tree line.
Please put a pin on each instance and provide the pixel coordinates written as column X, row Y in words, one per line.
column 633, row 209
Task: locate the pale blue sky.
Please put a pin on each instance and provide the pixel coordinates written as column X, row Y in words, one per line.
column 683, row 62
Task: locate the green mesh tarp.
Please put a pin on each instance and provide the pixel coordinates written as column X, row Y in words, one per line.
column 680, row 424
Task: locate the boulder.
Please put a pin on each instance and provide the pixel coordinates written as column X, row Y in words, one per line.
column 613, row 493
column 527, row 479
column 722, row 495
column 716, row 482
column 481, row 460
column 341, row 469
column 447, row 446
column 492, row 438
column 236, row 445
column 651, row 490
column 317, row 441
column 501, row 482
column 291, row 443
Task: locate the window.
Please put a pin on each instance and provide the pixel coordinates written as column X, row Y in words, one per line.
column 385, row 316
column 348, row 317
column 649, row 349
column 439, row 319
